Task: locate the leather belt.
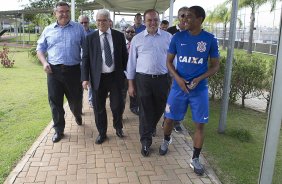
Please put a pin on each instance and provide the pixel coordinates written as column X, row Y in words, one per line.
column 153, row 76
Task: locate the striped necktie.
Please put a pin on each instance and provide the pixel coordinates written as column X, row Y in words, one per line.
column 107, row 50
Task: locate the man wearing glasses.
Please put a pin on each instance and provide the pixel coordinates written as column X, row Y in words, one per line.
column 62, row 41
column 182, row 26
column 84, row 21
column 182, row 13
column 133, row 103
column 103, row 63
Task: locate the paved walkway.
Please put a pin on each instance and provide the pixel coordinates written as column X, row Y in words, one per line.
column 77, row 159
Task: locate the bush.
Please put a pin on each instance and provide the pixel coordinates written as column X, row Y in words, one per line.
column 251, row 76
column 4, row 57
column 240, row 134
column 247, row 75
column 33, row 54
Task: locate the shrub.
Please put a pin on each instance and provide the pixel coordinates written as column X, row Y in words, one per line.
column 247, row 75
column 33, row 54
column 4, row 57
column 241, row 134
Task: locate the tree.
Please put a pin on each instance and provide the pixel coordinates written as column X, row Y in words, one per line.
column 221, row 14
column 254, row 5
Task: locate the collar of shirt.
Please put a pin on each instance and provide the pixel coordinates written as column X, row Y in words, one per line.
column 158, row 32
column 108, row 31
column 70, row 23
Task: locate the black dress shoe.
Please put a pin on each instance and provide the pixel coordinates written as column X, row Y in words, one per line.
column 119, row 133
column 78, row 120
column 145, row 151
column 100, row 139
column 57, row 136
column 135, row 111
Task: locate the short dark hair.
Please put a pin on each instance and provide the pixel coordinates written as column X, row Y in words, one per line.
column 137, row 14
column 61, row 3
column 150, row 10
column 165, row 22
column 199, row 12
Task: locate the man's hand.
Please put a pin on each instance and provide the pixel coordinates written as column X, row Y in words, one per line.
column 131, row 88
column 85, row 85
column 47, row 68
column 193, row 83
column 182, row 84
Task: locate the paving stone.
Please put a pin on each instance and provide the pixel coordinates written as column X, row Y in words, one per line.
column 76, row 159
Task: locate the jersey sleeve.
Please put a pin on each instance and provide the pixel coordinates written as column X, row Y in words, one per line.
column 214, row 51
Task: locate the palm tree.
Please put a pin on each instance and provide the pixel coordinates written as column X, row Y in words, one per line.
column 254, row 5
column 221, row 14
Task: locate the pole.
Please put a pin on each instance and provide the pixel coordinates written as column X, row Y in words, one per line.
column 73, row 10
column 228, row 68
column 171, row 12
column 273, row 122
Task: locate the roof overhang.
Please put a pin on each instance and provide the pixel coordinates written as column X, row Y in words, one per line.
column 135, row 5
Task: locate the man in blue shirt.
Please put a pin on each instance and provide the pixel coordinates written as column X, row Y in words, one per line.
column 194, row 49
column 147, row 72
column 62, row 41
column 84, row 21
column 138, row 26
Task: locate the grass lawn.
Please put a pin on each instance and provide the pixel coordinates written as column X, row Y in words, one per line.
column 28, row 38
column 236, row 155
column 24, row 109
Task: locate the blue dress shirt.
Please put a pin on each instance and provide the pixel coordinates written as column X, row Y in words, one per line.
column 139, row 29
column 62, row 44
column 148, row 54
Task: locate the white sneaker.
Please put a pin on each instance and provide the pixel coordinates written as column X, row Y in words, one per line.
column 164, row 146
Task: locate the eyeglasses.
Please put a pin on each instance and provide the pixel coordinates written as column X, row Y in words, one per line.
column 63, row 12
column 84, row 22
column 184, row 15
column 130, row 31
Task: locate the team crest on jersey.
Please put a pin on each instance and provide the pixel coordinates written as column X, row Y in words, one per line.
column 201, row 46
column 167, row 108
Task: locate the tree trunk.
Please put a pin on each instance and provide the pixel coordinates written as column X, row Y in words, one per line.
column 224, row 37
column 251, row 32
column 243, row 100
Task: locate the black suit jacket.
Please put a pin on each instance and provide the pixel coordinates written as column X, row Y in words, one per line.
column 92, row 58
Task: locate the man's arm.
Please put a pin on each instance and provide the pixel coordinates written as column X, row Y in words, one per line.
column 180, row 81
column 42, row 58
column 131, row 68
column 85, row 63
column 213, row 68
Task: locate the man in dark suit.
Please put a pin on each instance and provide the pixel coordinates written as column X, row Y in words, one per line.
column 104, row 60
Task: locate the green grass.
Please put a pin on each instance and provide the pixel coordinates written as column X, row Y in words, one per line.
column 24, row 109
column 236, row 155
column 28, row 38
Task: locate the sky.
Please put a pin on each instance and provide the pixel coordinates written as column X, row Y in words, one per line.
column 206, row 4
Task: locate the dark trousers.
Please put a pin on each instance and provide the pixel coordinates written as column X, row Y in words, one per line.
column 108, row 85
column 152, row 95
column 64, row 80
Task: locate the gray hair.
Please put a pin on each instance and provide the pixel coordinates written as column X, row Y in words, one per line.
column 83, row 16
column 104, row 12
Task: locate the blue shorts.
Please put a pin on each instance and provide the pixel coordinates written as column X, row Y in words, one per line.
column 178, row 101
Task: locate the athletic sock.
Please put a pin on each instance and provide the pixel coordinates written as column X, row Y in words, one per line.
column 167, row 137
column 196, row 152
